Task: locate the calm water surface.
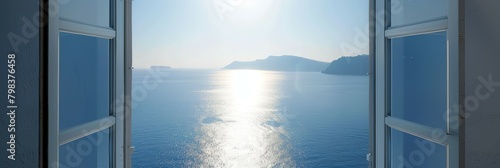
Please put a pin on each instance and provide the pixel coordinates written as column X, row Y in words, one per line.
column 248, row 118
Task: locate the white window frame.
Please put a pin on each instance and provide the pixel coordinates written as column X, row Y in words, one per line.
column 119, row 121
column 381, row 121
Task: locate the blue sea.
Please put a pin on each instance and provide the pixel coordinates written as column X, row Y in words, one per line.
column 248, row 118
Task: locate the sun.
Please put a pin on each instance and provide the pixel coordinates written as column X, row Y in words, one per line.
column 252, row 11
column 252, row 3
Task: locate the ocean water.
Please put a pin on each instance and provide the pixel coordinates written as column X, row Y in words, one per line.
column 249, row 118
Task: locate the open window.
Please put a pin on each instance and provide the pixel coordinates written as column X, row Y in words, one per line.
column 88, row 68
column 415, row 83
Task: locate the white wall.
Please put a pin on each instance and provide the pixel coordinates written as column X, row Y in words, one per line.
column 482, row 58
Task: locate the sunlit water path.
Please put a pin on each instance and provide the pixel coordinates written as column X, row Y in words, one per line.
column 247, row 118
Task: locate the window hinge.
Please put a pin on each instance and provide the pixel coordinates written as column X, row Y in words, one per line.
column 369, row 158
column 131, row 149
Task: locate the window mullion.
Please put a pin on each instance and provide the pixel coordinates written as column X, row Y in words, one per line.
column 417, row 29
column 418, row 130
column 83, row 130
column 83, row 29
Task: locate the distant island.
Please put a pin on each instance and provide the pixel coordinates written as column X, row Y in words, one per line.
column 161, row 67
column 357, row 65
column 281, row 63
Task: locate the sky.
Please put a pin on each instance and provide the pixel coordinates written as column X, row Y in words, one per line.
column 214, row 33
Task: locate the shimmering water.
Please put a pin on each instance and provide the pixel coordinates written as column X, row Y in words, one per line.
column 247, row 118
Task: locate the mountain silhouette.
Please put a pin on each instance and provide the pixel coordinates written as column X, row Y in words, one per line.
column 280, row 63
column 357, row 65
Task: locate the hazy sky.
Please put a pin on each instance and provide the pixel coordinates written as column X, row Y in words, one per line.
column 213, row 33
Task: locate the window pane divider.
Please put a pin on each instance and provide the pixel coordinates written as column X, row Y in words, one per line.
column 417, row 29
column 84, row 29
column 435, row 135
column 83, row 130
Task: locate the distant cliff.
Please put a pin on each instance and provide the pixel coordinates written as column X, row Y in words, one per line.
column 161, row 67
column 357, row 65
column 280, row 63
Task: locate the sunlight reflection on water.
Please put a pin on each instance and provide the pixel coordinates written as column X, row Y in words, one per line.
column 239, row 133
column 244, row 118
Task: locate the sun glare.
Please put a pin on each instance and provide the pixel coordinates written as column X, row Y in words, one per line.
column 246, row 89
column 253, row 11
column 240, row 139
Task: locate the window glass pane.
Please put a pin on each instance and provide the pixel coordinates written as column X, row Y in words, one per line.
column 405, row 12
column 92, row 12
column 84, row 79
column 90, row 151
column 410, row 151
column 418, row 73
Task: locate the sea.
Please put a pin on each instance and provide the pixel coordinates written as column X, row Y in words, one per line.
column 248, row 118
